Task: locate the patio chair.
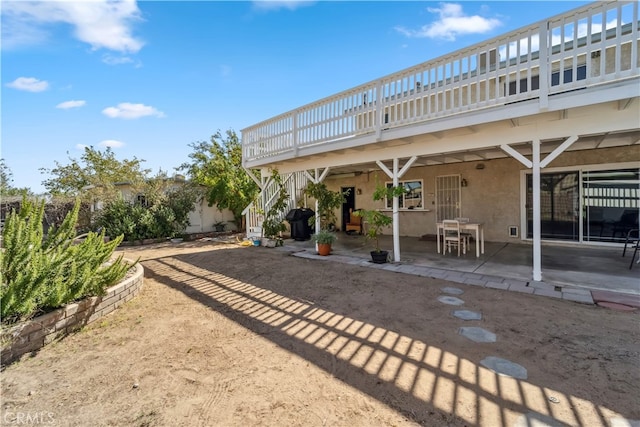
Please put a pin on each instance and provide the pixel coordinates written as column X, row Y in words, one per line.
column 453, row 236
column 466, row 234
column 354, row 224
column 633, row 241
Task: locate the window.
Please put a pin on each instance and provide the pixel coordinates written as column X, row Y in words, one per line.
column 411, row 199
column 141, row 200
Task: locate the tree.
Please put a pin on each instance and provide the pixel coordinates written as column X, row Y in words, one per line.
column 6, row 179
column 217, row 164
column 94, row 176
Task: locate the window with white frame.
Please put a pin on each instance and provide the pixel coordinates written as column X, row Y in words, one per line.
column 412, row 198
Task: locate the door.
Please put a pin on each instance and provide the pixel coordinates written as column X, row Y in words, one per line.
column 611, row 204
column 447, row 197
column 350, row 203
column 559, row 206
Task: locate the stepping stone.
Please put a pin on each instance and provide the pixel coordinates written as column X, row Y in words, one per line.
column 504, row 367
column 452, row 291
column 467, row 315
column 450, row 300
column 477, row 334
column 536, row 419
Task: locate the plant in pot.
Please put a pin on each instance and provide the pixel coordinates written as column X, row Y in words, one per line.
column 328, row 202
column 377, row 220
column 271, row 228
column 324, row 239
column 273, row 224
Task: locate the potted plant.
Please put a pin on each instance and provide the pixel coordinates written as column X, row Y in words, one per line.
column 219, row 226
column 273, row 224
column 377, row 220
column 271, row 228
column 328, row 202
column 324, row 239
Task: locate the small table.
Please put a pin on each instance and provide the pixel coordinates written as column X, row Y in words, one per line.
column 476, row 227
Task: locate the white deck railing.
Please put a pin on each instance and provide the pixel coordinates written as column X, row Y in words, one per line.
column 588, row 46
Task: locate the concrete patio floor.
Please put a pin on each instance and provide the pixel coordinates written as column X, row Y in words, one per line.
column 587, row 267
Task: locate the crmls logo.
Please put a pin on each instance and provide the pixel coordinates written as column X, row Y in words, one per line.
column 28, row 418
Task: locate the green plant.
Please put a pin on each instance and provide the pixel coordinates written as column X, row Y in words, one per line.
column 324, row 237
column 219, row 225
column 166, row 214
column 273, row 223
column 44, row 272
column 375, row 219
column 328, row 202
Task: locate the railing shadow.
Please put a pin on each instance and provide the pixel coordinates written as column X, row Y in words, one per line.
column 368, row 346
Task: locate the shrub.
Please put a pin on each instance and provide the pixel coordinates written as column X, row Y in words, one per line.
column 167, row 215
column 44, row 272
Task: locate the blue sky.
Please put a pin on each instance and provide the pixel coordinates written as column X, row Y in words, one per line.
column 150, row 78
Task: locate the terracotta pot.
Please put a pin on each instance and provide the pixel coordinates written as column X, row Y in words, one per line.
column 324, row 249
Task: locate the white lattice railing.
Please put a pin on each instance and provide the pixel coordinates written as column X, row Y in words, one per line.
column 294, row 183
column 588, row 46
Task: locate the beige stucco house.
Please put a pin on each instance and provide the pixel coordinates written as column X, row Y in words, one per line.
column 534, row 134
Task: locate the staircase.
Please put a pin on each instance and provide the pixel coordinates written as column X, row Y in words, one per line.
column 294, row 183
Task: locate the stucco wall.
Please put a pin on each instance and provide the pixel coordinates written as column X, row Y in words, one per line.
column 492, row 196
column 203, row 216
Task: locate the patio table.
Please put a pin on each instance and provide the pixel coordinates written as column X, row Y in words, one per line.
column 476, row 227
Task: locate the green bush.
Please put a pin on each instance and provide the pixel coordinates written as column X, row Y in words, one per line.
column 44, row 272
column 167, row 216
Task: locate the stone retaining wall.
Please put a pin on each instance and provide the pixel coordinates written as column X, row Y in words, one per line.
column 34, row 334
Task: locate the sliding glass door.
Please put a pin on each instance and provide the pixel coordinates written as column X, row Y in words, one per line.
column 610, row 204
column 604, row 203
column 559, row 205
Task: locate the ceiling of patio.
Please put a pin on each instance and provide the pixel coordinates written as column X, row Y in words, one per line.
column 588, row 142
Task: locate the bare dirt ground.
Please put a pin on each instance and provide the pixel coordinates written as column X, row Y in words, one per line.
column 224, row 335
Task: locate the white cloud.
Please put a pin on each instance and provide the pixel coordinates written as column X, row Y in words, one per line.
column 101, row 23
column 452, row 22
column 81, row 147
column 116, row 60
column 30, row 84
column 268, row 5
column 127, row 110
column 71, row 104
column 112, row 143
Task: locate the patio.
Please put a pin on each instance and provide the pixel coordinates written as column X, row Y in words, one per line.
column 593, row 268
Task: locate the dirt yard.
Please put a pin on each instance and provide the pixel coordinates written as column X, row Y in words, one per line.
column 224, row 335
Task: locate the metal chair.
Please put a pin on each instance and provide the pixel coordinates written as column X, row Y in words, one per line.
column 452, row 236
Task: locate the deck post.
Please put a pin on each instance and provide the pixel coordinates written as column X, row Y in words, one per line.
column 537, row 245
column 396, row 215
column 395, row 175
